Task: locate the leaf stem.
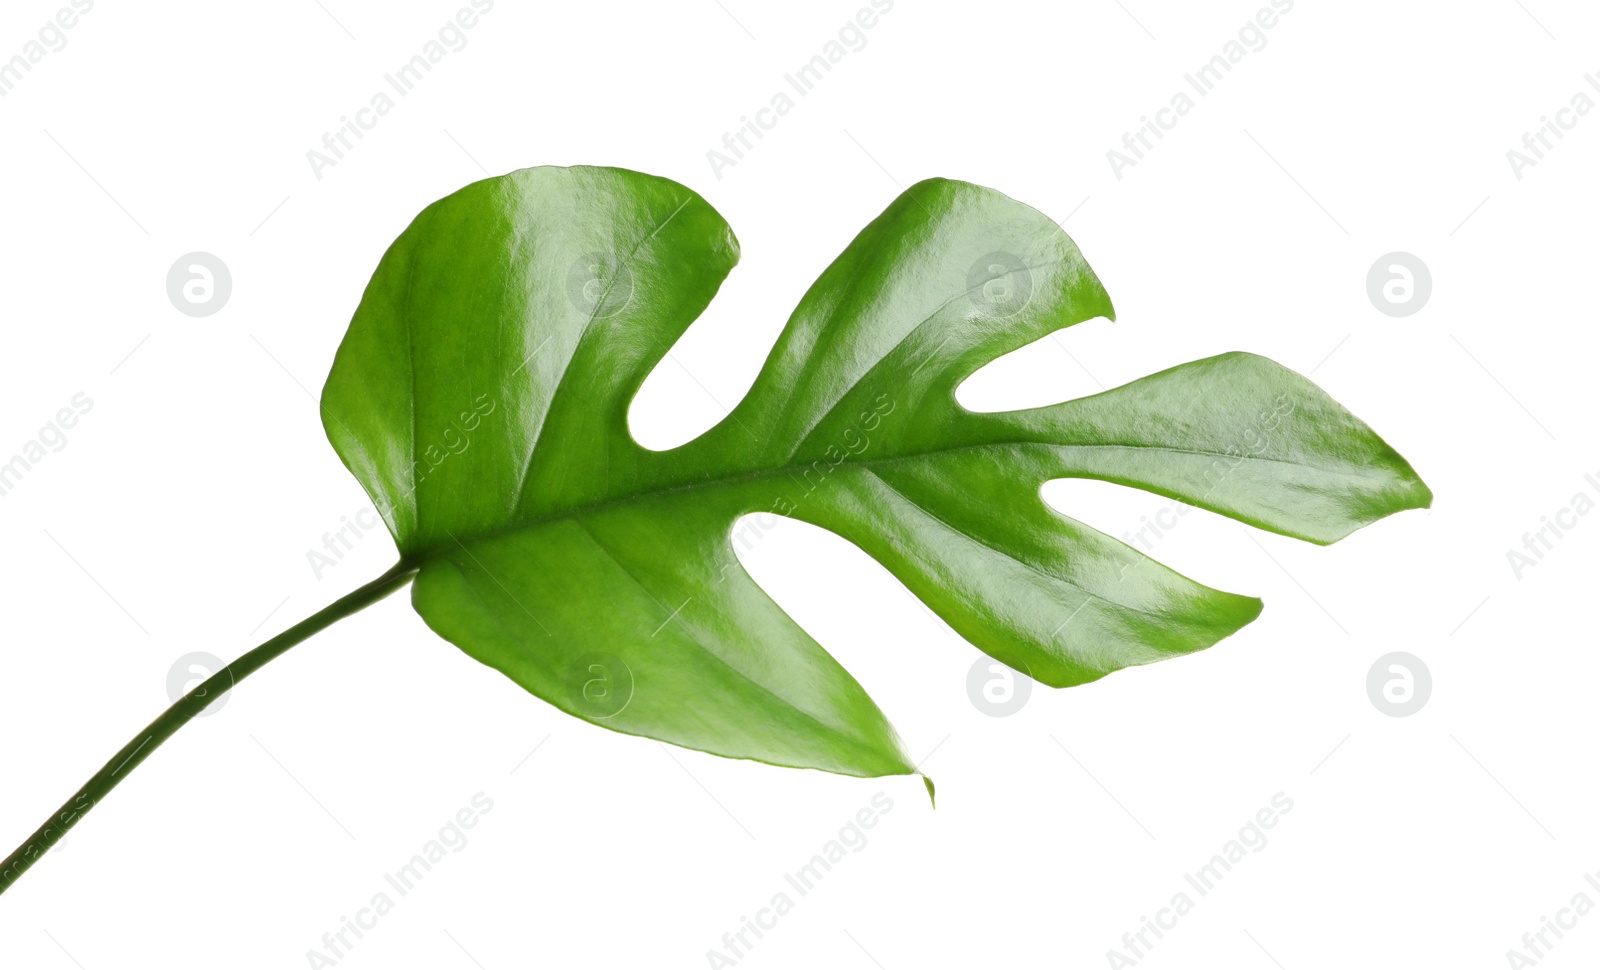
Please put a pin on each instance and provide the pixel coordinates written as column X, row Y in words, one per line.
column 186, row 707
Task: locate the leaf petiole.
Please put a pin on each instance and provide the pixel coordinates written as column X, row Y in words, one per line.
column 186, row 707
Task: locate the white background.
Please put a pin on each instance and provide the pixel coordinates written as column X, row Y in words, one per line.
column 178, row 516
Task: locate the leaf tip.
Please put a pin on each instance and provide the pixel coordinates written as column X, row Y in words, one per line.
column 928, row 784
column 1422, row 494
column 1250, row 608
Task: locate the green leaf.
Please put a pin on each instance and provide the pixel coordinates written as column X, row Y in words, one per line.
column 481, row 397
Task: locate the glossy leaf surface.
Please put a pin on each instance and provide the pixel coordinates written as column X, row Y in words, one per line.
column 481, row 397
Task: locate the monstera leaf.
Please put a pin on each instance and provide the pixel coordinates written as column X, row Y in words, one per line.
column 481, row 397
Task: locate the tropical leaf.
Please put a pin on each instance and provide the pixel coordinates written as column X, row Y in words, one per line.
column 481, row 397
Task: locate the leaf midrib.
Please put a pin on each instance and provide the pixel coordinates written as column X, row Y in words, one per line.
column 789, row 468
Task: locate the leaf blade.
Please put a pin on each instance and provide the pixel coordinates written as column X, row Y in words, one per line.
column 521, row 315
